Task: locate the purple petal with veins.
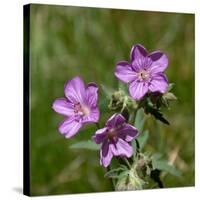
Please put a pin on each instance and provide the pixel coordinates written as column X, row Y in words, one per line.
column 144, row 73
column 80, row 106
column 115, row 138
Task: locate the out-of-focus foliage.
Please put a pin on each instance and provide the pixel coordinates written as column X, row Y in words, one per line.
column 70, row 41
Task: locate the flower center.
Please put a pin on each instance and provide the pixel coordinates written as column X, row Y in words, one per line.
column 143, row 75
column 112, row 133
column 81, row 109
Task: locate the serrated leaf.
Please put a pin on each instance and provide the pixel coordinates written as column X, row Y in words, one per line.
column 139, row 120
column 142, row 138
column 164, row 166
column 88, row 144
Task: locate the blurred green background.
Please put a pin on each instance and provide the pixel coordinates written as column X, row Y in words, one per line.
column 70, row 41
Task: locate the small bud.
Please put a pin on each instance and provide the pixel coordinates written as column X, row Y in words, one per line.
column 169, row 96
column 120, row 101
column 116, row 101
column 171, row 86
column 141, row 163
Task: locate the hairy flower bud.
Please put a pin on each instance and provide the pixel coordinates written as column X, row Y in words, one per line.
column 120, row 101
column 130, row 182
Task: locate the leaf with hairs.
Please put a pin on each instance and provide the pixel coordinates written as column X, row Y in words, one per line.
column 114, row 173
column 87, row 144
column 142, row 138
column 139, row 120
column 164, row 166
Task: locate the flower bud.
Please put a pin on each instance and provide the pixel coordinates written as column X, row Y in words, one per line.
column 169, row 96
column 120, row 101
column 130, row 182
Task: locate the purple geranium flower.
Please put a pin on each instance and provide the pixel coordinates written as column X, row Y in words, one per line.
column 79, row 106
column 144, row 73
column 115, row 138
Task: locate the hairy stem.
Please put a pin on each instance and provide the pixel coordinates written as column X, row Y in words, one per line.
column 111, row 179
column 137, row 146
column 127, row 162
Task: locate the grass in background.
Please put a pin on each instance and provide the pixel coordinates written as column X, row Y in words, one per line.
column 70, row 41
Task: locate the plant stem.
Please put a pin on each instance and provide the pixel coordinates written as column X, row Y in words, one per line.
column 137, row 145
column 97, row 125
column 136, row 140
column 134, row 115
column 127, row 162
column 111, row 180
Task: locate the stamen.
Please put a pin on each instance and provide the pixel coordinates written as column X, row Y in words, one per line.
column 143, row 75
column 77, row 107
column 112, row 133
column 81, row 109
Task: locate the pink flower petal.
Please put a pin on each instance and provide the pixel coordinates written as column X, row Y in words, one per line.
column 138, row 89
column 92, row 94
column 69, row 127
column 105, row 154
column 92, row 117
column 159, row 61
column 75, row 90
column 100, row 135
column 128, row 132
column 159, row 83
column 121, row 148
column 124, row 72
column 137, row 52
column 63, row 107
column 115, row 120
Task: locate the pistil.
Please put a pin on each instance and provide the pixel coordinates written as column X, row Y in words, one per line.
column 143, row 75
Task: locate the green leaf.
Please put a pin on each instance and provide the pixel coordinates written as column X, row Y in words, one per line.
column 163, row 101
column 156, row 113
column 171, row 86
column 123, row 174
column 103, row 104
column 170, row 96
column 157, row 156
column 123, row 87
column 107, row 91
column 134, row 145
column 88, row 144
column 142, row 138
column 164, row 166
column 114, row 173
column 139, row 120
